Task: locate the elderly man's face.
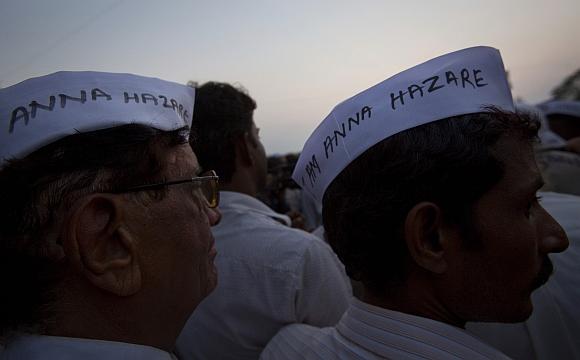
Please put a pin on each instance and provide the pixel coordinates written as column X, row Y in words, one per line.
column 494, row 282
column 177, row 244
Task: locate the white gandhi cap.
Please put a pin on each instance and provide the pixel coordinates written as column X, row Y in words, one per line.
column 42, row 110
column 458, row 83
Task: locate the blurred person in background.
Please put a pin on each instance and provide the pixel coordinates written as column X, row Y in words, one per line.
column 271, row 275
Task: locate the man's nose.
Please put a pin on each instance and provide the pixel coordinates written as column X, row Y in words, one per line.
column 554, row 238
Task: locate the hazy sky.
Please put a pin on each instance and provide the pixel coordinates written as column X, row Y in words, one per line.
column 297, row 58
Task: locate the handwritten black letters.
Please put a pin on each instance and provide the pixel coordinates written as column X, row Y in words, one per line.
column 61, row 101
column 331, row 141
column 465, row 78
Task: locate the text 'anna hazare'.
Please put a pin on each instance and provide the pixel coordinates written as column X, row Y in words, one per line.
column 25, row 113
column 330, row 143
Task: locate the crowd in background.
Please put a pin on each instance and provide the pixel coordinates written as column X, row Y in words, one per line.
column 284, row 196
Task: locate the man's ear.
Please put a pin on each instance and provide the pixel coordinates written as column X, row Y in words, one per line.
column 422, row 232
column 245, row 145
column 100, row 245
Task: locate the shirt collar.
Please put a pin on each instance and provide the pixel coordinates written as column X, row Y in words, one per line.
column 230, row 200
column 54, row 347
column 381, row 330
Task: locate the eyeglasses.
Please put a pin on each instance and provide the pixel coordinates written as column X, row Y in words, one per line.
column 206, row 185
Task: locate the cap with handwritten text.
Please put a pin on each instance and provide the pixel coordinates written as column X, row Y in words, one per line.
column 462, row 82
column 42, row 110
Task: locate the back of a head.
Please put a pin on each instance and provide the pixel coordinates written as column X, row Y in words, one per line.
column 222, row 113
column 449, row 162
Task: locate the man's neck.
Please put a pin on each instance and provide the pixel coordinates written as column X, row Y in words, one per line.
column 120, row 321
column 241, row 182
column 419, row 302
column 248, row 190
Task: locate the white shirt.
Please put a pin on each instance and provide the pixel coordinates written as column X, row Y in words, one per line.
column 32, row 347
column 369, row 332
column 553, row 329
column 269, row 275
column 312, row 211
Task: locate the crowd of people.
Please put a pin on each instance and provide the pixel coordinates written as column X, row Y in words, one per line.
column 427, row 217
column 284, row 196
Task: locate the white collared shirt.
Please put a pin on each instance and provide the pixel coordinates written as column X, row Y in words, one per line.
column 553, row 329
column 269, row 276
column 32, row 347
column 369, row 332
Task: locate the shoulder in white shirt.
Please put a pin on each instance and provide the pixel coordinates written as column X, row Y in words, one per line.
column 32, row 347
column 269, row 276
column 369, row 332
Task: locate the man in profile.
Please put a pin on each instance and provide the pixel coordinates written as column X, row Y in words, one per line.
column 428, row 182
column 271, row 275
column 551, row 332
column 105, row 241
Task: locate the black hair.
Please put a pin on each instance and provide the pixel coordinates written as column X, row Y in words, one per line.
column 222, row 113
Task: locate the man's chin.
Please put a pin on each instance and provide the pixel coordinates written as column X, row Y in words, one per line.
column 212, row 280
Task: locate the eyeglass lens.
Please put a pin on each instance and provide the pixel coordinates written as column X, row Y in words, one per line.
column 209, row 189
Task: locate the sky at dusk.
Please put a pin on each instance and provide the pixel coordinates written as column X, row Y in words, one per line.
column 297, row 59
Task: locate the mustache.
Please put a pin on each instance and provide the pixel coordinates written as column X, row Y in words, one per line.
column 545, row 272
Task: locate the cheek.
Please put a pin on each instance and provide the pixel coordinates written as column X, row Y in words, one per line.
column 204, row 276
column 196, row 235
column 511, row 263
column 509, row 254
column 517, row 245
column 510, row 238
column 195, row 264
column 200, row 238
column 185, row 236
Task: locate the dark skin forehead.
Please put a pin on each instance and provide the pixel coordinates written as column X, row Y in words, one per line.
column 522, row 176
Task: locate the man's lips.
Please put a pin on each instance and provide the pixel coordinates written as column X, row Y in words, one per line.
column 212, row 250
column 545, row 272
